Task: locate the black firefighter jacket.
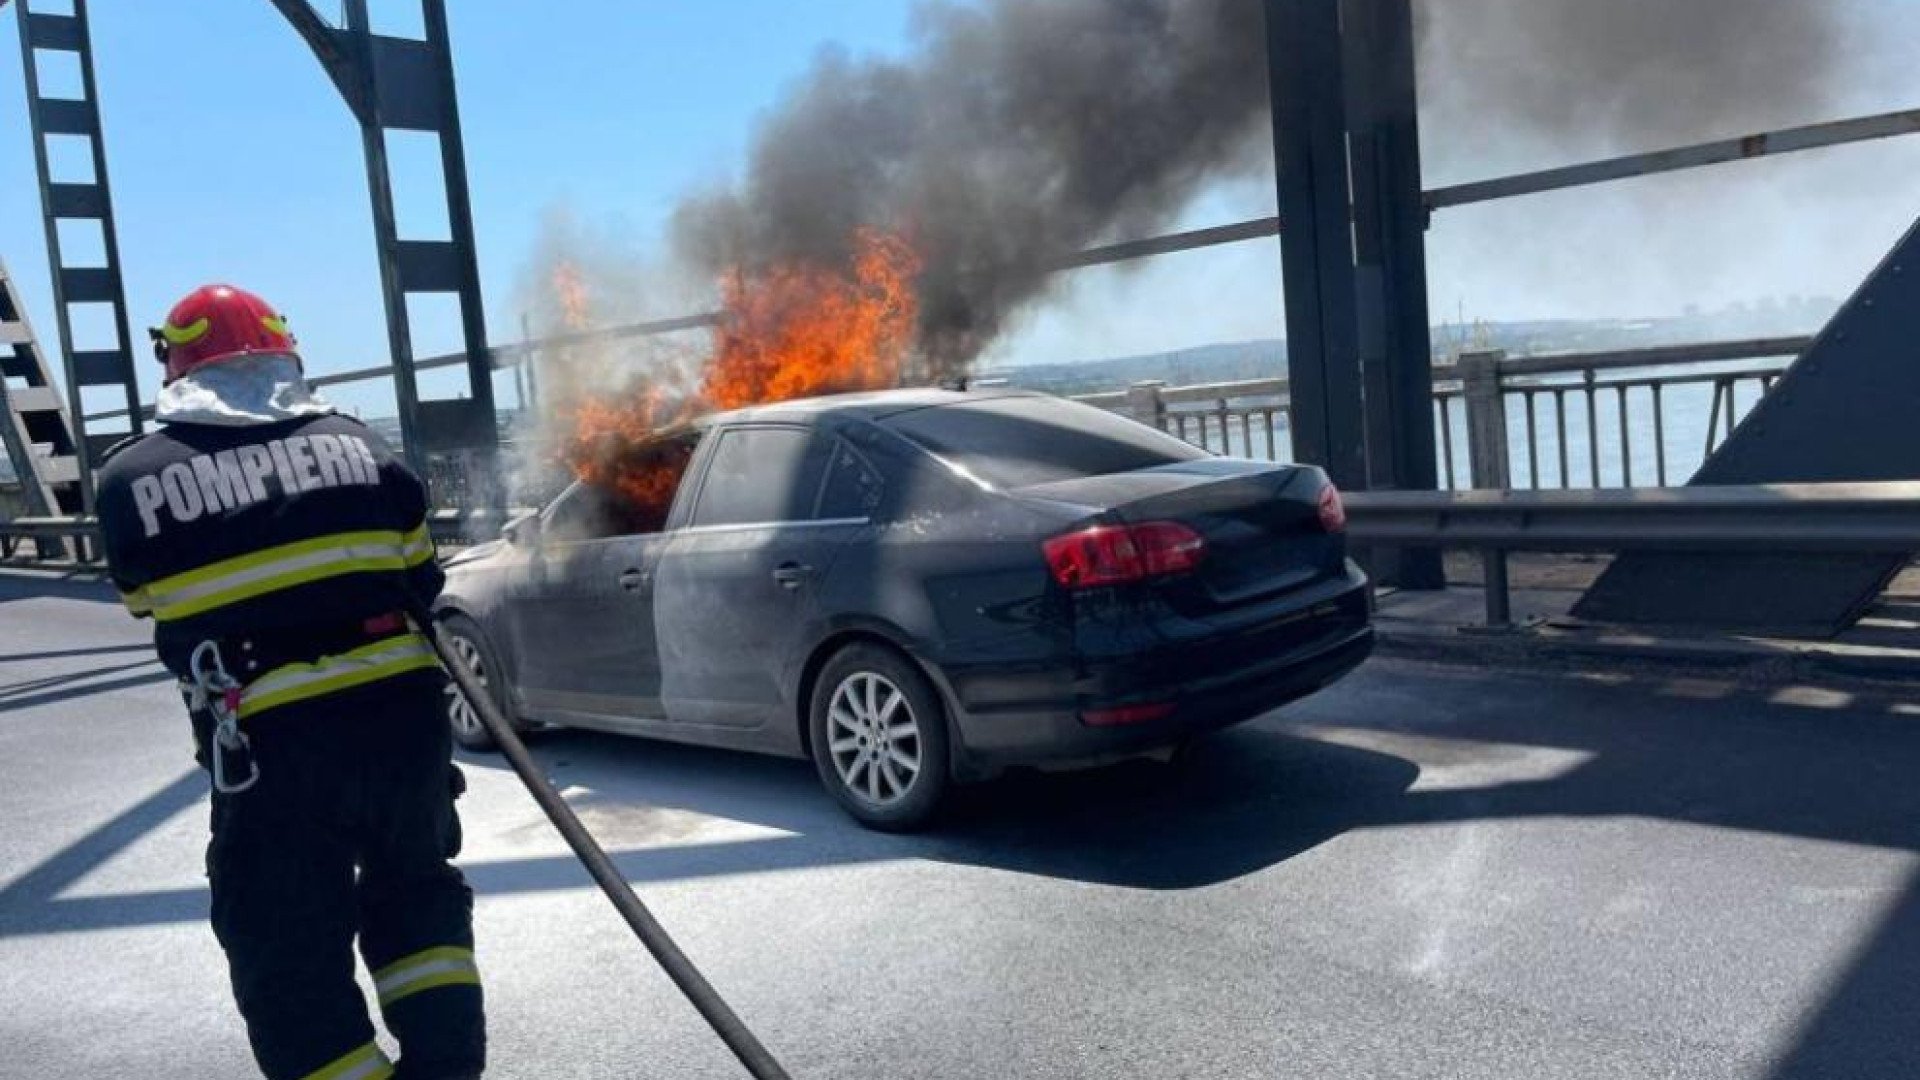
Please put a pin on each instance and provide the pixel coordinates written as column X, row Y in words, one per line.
column 300, row 537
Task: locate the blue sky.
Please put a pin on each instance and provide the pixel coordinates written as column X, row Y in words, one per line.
column 232, row 158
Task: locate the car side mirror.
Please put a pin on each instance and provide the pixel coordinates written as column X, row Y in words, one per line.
column 523, row 531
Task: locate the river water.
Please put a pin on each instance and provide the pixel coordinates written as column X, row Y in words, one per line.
column 1682, row 434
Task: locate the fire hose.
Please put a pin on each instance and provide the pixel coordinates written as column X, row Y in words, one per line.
column 724, row 1021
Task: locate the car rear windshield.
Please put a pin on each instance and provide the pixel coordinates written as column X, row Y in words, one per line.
column 1018, row 442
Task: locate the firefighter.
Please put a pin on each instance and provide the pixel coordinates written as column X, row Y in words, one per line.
column 279, row 547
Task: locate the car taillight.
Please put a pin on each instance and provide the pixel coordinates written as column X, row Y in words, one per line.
column 1333, row 513
column 1127, row 714
column 1119, row 554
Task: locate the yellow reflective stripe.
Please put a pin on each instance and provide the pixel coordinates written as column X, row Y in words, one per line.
column 431, row 982
column 258, row 573
column 419, row 546
column 185, row 335
column 330, row 674
column 363, row 1063
column 429, row 969
column 264, row 556
column 438, row 952
column 137, row 602
column 262, row 584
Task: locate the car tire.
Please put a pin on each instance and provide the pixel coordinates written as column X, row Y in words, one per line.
column 879, row 738
column 468, row 644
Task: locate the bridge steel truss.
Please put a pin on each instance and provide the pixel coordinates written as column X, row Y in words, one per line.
column 101, row 363
column 389, row 83
column 406, row 84
column 33, row 422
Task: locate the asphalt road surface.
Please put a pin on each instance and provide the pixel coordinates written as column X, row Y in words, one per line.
column 1424, row 872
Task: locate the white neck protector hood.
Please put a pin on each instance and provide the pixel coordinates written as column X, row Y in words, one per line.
column 265, row 388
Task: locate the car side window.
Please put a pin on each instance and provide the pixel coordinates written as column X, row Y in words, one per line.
column 631, row 493
column 759, row 475
column 853, row 487
column 580, row 513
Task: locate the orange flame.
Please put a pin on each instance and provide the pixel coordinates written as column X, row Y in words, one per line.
column 795, row 331
column 616, row 445
column 787, row 331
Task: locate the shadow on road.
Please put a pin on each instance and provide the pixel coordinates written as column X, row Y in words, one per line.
column 57, row 688
column 42, row 585
column 31, row 903
column 1823, row 763
column 61, row 654
column 1244, row 801
column 1866, row 1027
column 1819, row 763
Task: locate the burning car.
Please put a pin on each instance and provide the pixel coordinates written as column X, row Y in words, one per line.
column 913, row 588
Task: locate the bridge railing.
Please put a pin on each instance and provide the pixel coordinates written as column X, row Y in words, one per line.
column 1592, row 420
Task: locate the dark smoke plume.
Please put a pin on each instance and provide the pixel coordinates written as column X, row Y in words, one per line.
column 1016, row 132
column 1598, row 75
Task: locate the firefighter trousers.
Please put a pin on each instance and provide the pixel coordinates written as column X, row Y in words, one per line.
column 347, row 834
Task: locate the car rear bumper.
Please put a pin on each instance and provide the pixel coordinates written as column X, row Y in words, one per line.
column 1205, row 682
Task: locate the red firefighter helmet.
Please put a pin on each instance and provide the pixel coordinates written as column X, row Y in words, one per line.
column 215, row 323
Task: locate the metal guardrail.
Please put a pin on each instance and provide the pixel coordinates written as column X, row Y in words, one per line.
column 1620, row 429
column 1867, row 517
column 50, row 535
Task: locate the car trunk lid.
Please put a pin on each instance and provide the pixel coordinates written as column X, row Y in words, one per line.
column 1261, row 521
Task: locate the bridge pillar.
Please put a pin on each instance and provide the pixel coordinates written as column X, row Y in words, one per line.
column 1310, row 152
column 1487, row 448
column 1390, row 254
column 1346, row 149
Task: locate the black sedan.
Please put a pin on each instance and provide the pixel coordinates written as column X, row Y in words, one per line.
column 913, row 588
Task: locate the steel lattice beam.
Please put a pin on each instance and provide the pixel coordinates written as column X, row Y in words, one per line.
column 406, row 84
column 110, row 365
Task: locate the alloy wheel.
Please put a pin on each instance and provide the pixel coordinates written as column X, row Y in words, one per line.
column 464, row 717
column 874, row 738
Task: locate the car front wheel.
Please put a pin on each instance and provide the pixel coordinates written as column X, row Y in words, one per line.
column 879, row 738
column 469, row 647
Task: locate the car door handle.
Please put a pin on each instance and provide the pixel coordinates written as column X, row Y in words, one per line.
column 791, row 575
column 634, row 580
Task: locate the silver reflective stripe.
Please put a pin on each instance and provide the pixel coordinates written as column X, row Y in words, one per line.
column 447, row 965
column 420, row 547
column 296, row 682
column 186, row 594
column 396, row 985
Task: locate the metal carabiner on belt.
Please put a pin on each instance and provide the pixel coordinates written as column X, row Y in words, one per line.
column 219, row 693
